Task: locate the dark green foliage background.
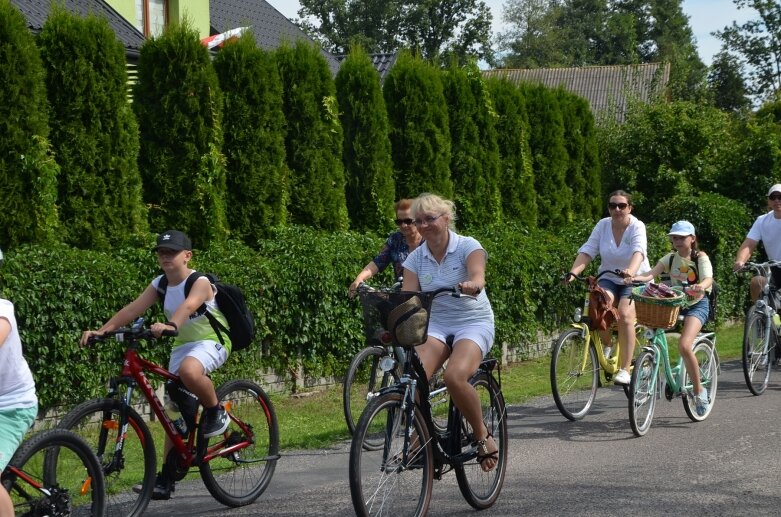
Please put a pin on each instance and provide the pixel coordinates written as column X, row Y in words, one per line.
column 257, row 177
column 93, row 132
column 28, row 172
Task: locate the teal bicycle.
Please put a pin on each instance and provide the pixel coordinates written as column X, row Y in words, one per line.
column 659, row 315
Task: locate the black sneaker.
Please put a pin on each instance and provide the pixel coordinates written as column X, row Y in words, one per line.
column 216, row 423
column 164, row 487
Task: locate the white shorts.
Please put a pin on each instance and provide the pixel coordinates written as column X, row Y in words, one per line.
column 211, row 354
column 480, row 333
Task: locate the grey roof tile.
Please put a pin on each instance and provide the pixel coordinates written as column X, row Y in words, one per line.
column 382, row 62
column 607, row 88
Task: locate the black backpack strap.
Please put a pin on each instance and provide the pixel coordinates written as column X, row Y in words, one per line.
column 162, row 287
column 218, row 327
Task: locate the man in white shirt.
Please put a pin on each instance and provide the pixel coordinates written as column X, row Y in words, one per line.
column 767, row 228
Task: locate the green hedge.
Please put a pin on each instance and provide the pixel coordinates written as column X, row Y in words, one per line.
column 296, row 284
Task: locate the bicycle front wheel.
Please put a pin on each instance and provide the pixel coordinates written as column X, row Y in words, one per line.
column 98, row 423
column 238, row 478
column 704, row 351
column 390, row 480
column 363, row 382
column 642, row 393
column 757, row 339
column 574, row 374
column 481, row 489
column 55, row 473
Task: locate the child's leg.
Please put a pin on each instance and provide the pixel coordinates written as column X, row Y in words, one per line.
column 691, row 327
column 193, row 376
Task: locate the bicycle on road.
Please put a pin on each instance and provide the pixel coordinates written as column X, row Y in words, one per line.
column 761, row 344
column 396, row 477
column 577, row 358
column 55, row 473
column 659, row 315
column 236, row 467
column 378, row 366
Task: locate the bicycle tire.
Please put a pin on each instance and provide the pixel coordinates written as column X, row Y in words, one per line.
column 60, row 475
column 239, row 478
column 756, row 357
column 98, row 423
column 642, row 400
column 707, row 360
column 573, row 383
column 481, row 489
column 363, row 382
column 381, row 483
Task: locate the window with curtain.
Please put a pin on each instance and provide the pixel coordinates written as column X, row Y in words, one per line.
column 151, row 16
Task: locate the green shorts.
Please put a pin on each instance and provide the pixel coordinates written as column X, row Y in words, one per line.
column 14, row 423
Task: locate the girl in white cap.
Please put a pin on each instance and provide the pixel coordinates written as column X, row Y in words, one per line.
column 690, row 268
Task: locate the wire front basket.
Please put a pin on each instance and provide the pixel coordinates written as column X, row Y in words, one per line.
column 402, row 314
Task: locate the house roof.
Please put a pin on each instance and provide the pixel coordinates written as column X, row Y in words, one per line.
column 271, row 28
column 607, row 88
column 382, row 62
column 37, row 11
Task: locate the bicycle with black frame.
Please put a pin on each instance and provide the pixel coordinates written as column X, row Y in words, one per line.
column 397, row 449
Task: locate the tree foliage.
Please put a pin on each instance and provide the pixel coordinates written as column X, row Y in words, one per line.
column 178, row 103
column 93, row 131
column 516, row 177
column 367, row 151
column 435, row 28
column 254, row 139
column 314, row 138
column 474, row 161
column 28, row 172
column 420, row 136
column 726, row 83
column 758, row 44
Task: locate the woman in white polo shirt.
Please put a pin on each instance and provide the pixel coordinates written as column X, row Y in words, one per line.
column 446, row 259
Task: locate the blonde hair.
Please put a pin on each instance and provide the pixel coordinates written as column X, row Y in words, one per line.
column 427, row 202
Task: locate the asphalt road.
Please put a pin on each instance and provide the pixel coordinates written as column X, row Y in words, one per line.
column 727, row 465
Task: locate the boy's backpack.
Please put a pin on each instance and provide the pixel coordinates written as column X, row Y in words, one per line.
column 230, row 300
column 713, row 295
column 600, row 309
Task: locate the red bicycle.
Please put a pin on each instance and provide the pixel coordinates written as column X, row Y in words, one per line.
column 236, row 467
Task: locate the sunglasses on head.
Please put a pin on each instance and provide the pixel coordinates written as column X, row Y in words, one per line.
column 774, row 197
column 620, row 206
column 407, row 221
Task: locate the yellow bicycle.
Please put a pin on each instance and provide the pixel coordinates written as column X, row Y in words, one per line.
column 577, row 358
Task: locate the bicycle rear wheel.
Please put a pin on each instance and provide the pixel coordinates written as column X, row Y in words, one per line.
column 363, row 382
column 574, row 374
column 704, row 351
column 55, row 473
column 98, row 423
column 481, row 489
column 240, row 477
column 386, row 481
column 642, row 393
column 756, row 356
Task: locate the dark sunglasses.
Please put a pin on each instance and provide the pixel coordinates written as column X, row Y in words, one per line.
column 407, row 221
column 620, row 206
column 774, row 197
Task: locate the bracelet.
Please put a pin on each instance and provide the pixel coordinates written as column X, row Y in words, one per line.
column 172, row 324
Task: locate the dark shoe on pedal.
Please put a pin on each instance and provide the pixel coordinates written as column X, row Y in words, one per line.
column 164, row 487
column 216, row 423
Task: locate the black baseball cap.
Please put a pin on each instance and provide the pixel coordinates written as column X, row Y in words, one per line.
column 173, row 240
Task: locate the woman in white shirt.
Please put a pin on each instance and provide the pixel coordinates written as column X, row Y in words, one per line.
column 620, row 242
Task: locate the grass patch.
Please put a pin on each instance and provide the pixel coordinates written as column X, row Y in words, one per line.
column 318, row 421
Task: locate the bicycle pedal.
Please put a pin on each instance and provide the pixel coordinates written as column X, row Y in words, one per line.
column 668, row 392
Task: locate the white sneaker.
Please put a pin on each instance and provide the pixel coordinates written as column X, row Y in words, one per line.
column 608, row 350
column 701, row 402
column 622, row 377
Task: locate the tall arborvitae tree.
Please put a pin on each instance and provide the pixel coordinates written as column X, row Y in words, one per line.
column 727, row 84
column 420, row 137
column 93, row 131
column 28, row 172
column 474, row 161
column 314, row 138
column 546, row 139
column 254, row 139
column 516, row 178
column 592, row 166
column 367, row 151
column 178, row 103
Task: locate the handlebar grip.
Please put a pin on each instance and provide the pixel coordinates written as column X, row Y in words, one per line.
column 171, row 333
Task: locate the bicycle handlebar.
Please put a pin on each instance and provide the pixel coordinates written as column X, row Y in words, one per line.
column 131, row 334
column 570, row 274
column 763, row 268
column 454, row 291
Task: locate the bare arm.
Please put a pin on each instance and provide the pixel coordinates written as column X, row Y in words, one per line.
column 410, row 282
column 475, row 267
column 581, row 261
column 368, row 271
column 657, row 270
column 5, row 330
column 744, row 253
